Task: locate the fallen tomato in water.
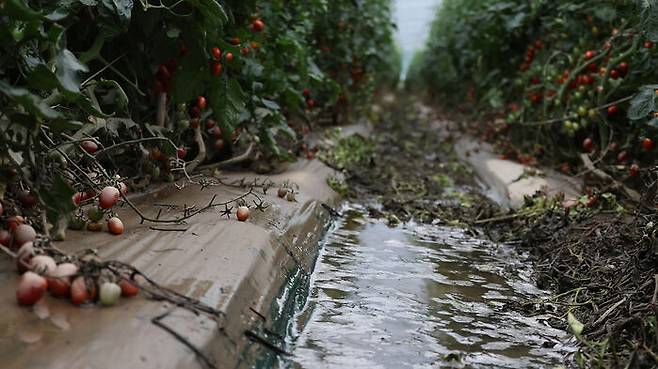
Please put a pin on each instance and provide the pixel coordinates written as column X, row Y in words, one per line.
column 109, row 197
column 243, row 213
column 115, row 226
column 30, row 289
column 109, row 293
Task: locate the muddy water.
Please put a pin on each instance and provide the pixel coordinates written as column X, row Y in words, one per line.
column 417, row 296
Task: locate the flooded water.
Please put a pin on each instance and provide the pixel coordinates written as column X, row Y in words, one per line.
column 417, row 296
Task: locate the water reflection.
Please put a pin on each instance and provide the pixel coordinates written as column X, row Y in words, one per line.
column 410, row 297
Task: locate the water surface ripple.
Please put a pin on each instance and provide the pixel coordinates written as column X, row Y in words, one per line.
column 417, row 296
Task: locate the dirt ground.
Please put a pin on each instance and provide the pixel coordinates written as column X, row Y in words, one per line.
column 601, row 266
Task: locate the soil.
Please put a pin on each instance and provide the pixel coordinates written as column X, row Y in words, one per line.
column 601, row 265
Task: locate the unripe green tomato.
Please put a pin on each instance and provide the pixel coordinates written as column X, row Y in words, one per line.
column 95, row 214
column 595, row 31
column 155, row 172
column 109, row 293
column 592, row 113
column 183, row 124
column 582, row 111
column 582, row 89
column 567, row 125
column 584, row 123
column 557, row 102
column 575, row 126
column 577, row 95
column 170, row 177
column 182, row 107
column 76, row 223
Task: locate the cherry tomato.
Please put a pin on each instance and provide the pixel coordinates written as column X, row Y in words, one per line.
column 216, row 53
column 89, row 146
column 109, row 293
column 216, row 132
column 310, row 103
column 31, row 288
column 43, row 264
column 216, row 69
column 306, row 92
column 128, row 288
column 229, row 57
column 634, row 170
column 14, row 222
column 243, row 213
column 181, row 153
column 210, row 123
column 5, row 237
column 115, row 226
column 201, row 102
column 612, row 110
column 257, row 25
column 245, row 51
column 109, row 197
column 647, row 144
column 81, row 291
column 235, row 41
column 614, row 74
column 59, row 285
column 588, row 144
column 23, row 234
column 589, row 54
column 648, row 44
column 622, row 157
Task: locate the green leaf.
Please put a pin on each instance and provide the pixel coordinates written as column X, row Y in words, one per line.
column 270, row 104
column 643, row 103
column 68, row 68
column 30, row 102
column 57, row 199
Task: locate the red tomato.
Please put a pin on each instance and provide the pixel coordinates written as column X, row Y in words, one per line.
column 181, row 153
column 245, row 51
column 243, row 213
column 647, row 144
column 201, row 102
column 614, row 74
column 257, row 25
column 306, row 92
column 109, row 197
column 622, row 157
column 588, row 144
column 128, row 288
column 235, row 41
column 229, row 57
column 613, row 110
column 634, row 170
column 648, row 44
column 589, row 54
column 77, row 198
column 24, row 256
column 195, row 112
column 623, row 68
column 89, row 146
column 216, row 132
column 219, row 144
column 163, row 73
column 59, row 284
column 5, row 237
column 80, row 292
column 216, row 69
column 30, row 289
column 115, row 225
column 310, row 103
column 216, row 53
column 14, row 222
